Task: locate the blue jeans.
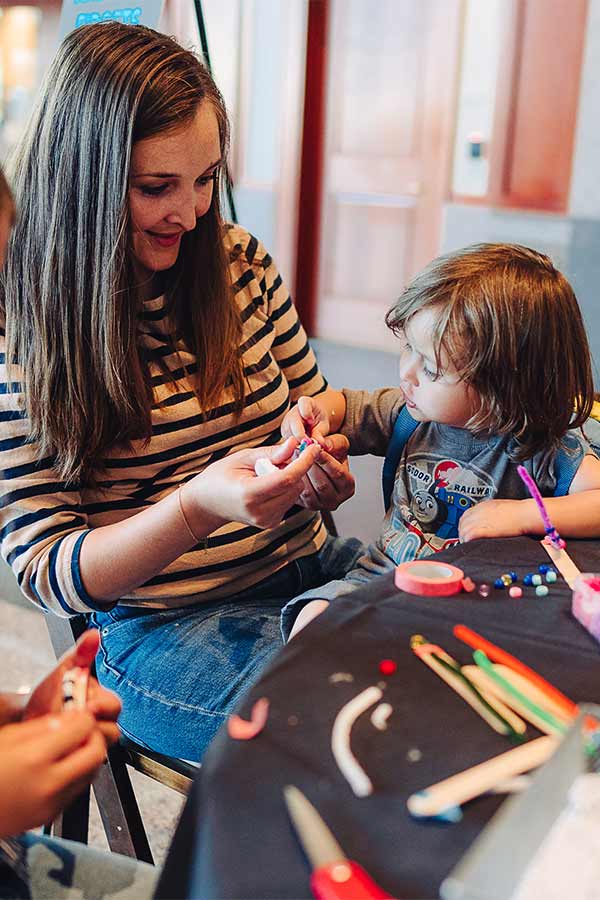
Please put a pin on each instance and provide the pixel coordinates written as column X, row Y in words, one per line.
column 180, row 672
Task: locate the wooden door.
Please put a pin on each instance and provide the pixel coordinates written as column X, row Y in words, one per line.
column 390, row 105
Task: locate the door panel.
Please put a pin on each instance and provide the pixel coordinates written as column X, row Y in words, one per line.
column 387, row 152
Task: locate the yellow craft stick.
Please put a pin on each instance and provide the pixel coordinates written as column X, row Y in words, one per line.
column 472, row 782
column 533, row 693
column 488, row 684
column 458, row 685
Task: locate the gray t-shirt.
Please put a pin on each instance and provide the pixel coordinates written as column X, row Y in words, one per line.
column 443, row 472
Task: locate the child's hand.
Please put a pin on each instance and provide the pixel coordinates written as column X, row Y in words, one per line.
column 307, row 614
column 307, row 419
column 329, row 482
column 492, row 518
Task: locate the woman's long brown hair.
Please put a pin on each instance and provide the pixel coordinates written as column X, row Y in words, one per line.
column 68, row 293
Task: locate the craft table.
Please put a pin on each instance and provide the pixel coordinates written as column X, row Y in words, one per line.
column 235, row 839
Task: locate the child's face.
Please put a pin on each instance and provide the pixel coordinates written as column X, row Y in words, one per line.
column 432, row 395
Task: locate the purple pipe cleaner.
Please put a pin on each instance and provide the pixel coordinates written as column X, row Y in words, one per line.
column 555, row 538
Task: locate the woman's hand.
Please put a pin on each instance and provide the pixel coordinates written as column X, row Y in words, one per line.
column 329, row 482
column 44, row 763
column 492, row 518
column 230, row 491
column 102, row 704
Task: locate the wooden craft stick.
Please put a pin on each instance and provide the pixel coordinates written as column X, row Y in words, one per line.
column 537, row 696
column 455, row 682
column 562, row 561
column 498, row 655
column 484, row 682
column 472, row 782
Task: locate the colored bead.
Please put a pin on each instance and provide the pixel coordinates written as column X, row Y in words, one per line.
column 506, row 580
column 551, row 577
column 544, row 568
column 483, row 590
column 498, row 583
column 528, row 579
column 387, row 666
column 468, row 584
column 515, row 591
column 541, row 590
column 536, row 579
column 513, row 575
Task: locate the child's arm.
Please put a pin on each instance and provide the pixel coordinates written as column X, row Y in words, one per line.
column 575, row 516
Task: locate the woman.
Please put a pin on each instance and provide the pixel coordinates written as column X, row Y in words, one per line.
column 146, row 343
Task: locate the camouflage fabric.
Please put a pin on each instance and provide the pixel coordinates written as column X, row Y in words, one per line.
column 52, row 868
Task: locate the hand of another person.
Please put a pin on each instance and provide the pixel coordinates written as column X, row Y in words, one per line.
column 308, row 418
column 329, row 482
column 230, row 491
column 491, row 518
column 102, row 704
column 44, row 763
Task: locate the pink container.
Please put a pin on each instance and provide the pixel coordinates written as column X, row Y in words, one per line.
column 586, row 602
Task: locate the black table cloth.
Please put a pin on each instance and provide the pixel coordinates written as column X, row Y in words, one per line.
column 235, row 839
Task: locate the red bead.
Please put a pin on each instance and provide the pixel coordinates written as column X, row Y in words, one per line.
column 387, row 666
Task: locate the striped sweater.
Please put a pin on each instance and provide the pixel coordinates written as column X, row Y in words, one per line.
column 43, row 522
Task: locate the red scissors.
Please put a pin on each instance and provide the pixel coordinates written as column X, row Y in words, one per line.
column 334, row 876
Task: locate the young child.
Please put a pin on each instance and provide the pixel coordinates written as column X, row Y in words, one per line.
column 495, row 370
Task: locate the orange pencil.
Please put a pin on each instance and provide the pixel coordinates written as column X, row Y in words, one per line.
column 496, row 654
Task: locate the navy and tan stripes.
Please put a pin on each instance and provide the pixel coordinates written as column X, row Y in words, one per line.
column 43, row 523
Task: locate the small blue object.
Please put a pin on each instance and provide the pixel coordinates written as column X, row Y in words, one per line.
column 528, row 579
column 514, row 576
column 544, row 568
column 498, row 583
column 536, row 579
column 451, row 814
column 551, row 576
column 541, row 590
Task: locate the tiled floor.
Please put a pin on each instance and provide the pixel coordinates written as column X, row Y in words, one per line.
column 25, row 651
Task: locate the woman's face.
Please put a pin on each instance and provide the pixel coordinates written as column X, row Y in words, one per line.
column 171, row 187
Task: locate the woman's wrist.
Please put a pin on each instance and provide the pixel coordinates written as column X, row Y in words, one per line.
column 195, row 514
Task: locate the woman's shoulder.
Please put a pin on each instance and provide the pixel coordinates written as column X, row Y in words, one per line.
column 243, row 247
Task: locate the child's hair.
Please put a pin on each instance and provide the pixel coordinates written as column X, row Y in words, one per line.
column 511, row 325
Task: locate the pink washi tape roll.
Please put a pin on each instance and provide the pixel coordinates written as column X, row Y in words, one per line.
column 429, row 578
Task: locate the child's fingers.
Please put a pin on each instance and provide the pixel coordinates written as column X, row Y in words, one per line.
column 337, row 445
column 306, row 408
